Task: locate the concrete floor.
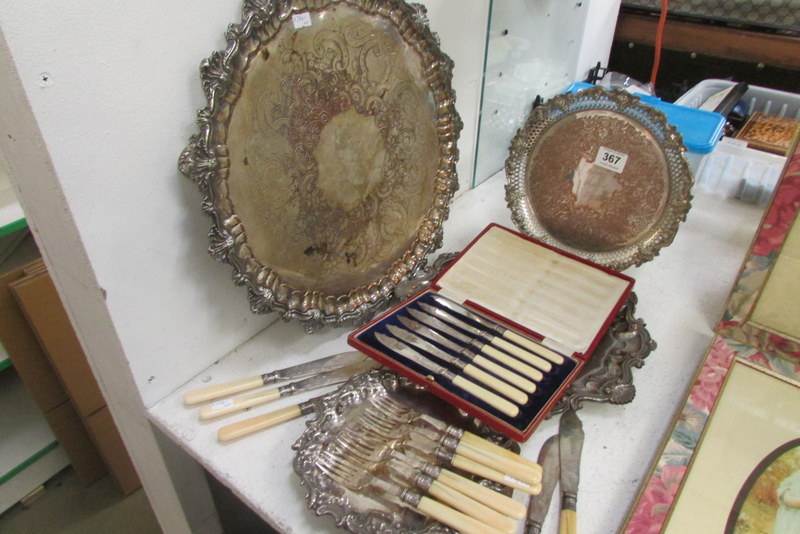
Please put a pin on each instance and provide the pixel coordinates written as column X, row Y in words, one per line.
column 69, row 507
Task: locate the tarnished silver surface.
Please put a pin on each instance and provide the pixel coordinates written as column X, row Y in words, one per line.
column 608, row 376
column 351, row 511
column 424, row 275
column 318, row 229
column 558, row 193
column 322, row 365
column 570, row 446
column 539, row 506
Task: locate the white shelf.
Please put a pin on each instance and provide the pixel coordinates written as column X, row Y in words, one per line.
column 34, row 476
column 681, row 295
column 5, row 360
column 10, row 209
column 29, row 453
column 23, row 427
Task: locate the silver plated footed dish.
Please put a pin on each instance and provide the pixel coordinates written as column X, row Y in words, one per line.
column 599, row 174
column 354, row 511
column 326, row 153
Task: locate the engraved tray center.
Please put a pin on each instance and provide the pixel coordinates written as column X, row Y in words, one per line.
column 333, row 151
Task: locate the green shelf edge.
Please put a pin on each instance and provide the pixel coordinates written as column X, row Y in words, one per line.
column 27, row 463
column 12, row 227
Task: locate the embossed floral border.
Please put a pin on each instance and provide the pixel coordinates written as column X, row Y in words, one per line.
column 763, row 254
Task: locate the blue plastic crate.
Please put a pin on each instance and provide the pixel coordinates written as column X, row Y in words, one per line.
column 701, row 130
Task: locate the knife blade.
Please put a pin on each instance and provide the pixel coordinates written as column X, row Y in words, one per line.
column 484, row 348
column 498, row 329
column 519, row 352
column 507, row 390
column 492, row 399
column 302, row 370
column 539, row 505
column 570, row 444
column 238, row 404
column 504, row 373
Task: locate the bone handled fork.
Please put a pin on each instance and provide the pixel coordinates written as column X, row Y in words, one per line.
column 512, row 464
column 358, row 480
column 443, row 456
column 471, row 498
column 400, row 413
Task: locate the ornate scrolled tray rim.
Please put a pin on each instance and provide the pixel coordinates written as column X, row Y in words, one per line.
column 541, row 117
column 204, row 161
column 608, row 376
column 326, row 497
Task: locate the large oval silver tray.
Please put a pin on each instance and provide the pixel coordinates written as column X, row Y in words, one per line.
column 326, row 153
column 355, row 512
column 616, row 213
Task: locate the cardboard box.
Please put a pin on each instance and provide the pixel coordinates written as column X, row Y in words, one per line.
column 74, row 438
column 105, row 435
column 42, row 382
column 39, row 301
column 27, row 355
column 78, row 414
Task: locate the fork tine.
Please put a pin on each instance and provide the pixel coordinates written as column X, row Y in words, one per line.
column 391, row 403
column 342, row 467
column 383, row 416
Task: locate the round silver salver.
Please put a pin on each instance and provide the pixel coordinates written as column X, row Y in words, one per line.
column 599, row 174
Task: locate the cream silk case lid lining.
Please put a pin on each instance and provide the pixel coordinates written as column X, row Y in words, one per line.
column 563, row 300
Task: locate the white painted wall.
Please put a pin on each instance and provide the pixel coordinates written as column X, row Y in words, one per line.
column 115, row 90
column 97, row 102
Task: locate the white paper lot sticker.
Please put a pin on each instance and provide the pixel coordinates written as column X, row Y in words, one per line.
column 301, row 20
column 611, row 159
column 221, row 405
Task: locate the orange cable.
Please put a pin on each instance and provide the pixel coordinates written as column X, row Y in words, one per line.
column 662, row 22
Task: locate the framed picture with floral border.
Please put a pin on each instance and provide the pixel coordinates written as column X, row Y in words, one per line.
column 710, row 475
column 760, row 330
column 763, row 309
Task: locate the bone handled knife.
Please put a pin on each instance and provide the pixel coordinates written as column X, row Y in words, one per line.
column 500, row 330
column 570, row 444
column 519, row 352
column 506, row 374
column 218, row 391
column 493, row 352
column 539, row 505
column 252, row 425
column 495, row 401
column 507, row 390
column 244, row 402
